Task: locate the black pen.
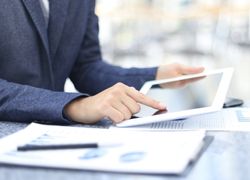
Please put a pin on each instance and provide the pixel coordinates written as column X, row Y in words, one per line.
column 34, row 147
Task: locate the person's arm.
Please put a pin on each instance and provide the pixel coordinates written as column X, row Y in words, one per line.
column 24, row 103
column 92, row 75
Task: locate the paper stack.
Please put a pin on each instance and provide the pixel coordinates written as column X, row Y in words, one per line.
column 132, row 151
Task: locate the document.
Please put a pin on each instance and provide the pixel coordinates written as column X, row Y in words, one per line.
column 231, row 119
column 126, row 151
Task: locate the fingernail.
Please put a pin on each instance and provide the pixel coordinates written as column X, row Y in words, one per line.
column 162, row 105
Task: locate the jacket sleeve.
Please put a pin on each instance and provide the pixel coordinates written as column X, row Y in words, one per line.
column 24, row 103
column 92, row 75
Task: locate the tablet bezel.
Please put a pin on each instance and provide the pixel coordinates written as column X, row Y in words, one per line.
column 215, row 106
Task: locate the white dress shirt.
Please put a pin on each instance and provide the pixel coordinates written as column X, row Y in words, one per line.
column 45, row 9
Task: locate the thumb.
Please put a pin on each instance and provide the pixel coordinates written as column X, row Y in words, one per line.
column 190, row 70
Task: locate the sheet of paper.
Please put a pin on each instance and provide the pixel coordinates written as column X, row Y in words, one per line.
column 137, row 152
column 232, row 119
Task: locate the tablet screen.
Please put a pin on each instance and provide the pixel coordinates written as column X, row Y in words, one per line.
column 183, row 94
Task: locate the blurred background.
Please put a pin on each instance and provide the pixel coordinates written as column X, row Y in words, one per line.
column 214, row 34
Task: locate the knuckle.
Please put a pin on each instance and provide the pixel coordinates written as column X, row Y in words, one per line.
column 136, row 109
column 105, row 107
column 127, row 115
column 118, row 118
column 109, row 98
column 141, row 96
column 115, row 93
column 119, row 85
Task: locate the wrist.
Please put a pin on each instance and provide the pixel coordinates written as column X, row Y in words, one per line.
column 71, row 109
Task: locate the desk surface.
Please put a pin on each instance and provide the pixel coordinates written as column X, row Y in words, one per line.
column 228, row 157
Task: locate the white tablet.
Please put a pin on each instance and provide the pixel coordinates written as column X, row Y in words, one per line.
column 184, row 96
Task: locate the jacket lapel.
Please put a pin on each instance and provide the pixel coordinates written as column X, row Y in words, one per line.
column 58, row 14
column 36, row 14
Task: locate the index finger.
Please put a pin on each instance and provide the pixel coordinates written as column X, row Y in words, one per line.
column 143, row 99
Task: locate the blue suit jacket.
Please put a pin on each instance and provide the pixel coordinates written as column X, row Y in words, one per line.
column 35, row 61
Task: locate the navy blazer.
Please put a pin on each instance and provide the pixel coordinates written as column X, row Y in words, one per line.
column 35, row 61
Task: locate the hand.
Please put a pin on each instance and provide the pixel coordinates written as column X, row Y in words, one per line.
column 175, row 70
column 118, row 103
